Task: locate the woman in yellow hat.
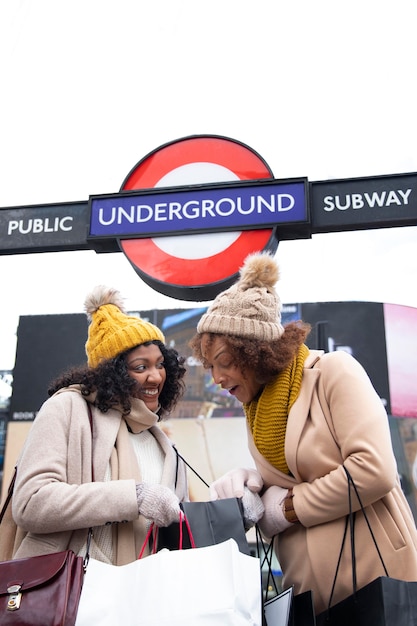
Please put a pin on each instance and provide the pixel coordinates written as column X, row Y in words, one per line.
column 123, row 473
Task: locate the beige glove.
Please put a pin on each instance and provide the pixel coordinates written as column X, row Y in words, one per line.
column 274, row 520
column 158, row 504
column 232, row 484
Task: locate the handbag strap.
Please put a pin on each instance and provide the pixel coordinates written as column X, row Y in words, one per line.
column 90, row 419
column 13, row 481
column 90, row 530
column 9, row 495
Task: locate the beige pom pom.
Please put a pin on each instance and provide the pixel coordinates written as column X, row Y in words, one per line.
column 259, row 270
column 100, row 296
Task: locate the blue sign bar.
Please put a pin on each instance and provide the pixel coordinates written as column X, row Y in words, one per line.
column 199, row 208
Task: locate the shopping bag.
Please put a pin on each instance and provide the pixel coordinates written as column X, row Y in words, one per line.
column 385, row 601
column 210, row 522
column 203, row 586
column 302, row 610
column 277, row 610
column 287, row 609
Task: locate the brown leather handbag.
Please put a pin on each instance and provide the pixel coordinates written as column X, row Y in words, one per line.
column 41, row 590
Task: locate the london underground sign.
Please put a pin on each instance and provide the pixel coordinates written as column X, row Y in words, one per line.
column 198, row 209
column 189, row 213
column 199, row 266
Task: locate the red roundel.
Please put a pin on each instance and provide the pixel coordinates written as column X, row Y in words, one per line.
column 196, row 267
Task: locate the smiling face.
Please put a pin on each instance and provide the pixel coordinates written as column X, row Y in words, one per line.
column 146, row 366
column 241, row 385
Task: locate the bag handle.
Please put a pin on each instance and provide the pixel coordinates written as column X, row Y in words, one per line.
column 267, row 551
column 153, row 532
column 352, row 483
column 350, row 521
column 188, row 465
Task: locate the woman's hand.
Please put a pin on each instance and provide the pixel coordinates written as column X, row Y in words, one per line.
column 274, row 520
column 232, row 484
column 245, row 484
column 158, row 504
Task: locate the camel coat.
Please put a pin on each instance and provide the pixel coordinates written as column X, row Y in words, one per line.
column 339, row 419
column 55, row 500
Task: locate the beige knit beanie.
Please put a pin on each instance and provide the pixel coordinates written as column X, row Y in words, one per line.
column 111, row 331
column 251, row 307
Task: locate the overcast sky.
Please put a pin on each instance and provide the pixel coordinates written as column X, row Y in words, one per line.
column 319, row 89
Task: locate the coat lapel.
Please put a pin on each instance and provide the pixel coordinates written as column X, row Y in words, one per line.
column 300, row 411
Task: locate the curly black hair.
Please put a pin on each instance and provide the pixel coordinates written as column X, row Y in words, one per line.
column 265, row 358
column 114, row 385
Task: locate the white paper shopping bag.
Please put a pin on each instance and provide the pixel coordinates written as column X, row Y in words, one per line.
column 202, row 586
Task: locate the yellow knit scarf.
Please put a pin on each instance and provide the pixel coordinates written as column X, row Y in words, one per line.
column 267, row 416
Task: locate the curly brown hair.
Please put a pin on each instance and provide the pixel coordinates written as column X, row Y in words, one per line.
column 114, row 385
column 265, row 358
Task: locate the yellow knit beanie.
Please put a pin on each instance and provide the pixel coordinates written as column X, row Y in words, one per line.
column 111, row 330
column 251, row 307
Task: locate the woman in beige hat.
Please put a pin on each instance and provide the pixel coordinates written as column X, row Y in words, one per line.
column 309, row 416
column 124, row 474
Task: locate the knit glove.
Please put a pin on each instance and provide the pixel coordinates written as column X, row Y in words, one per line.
column 253, row 508
column 274, row 520
column 158, row 504
column 232, row 484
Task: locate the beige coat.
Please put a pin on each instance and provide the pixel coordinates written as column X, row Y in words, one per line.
column 55, row 500
column 339, row 419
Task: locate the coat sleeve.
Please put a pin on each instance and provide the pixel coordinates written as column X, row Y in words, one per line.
column 53, row 495
column 356, row 434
